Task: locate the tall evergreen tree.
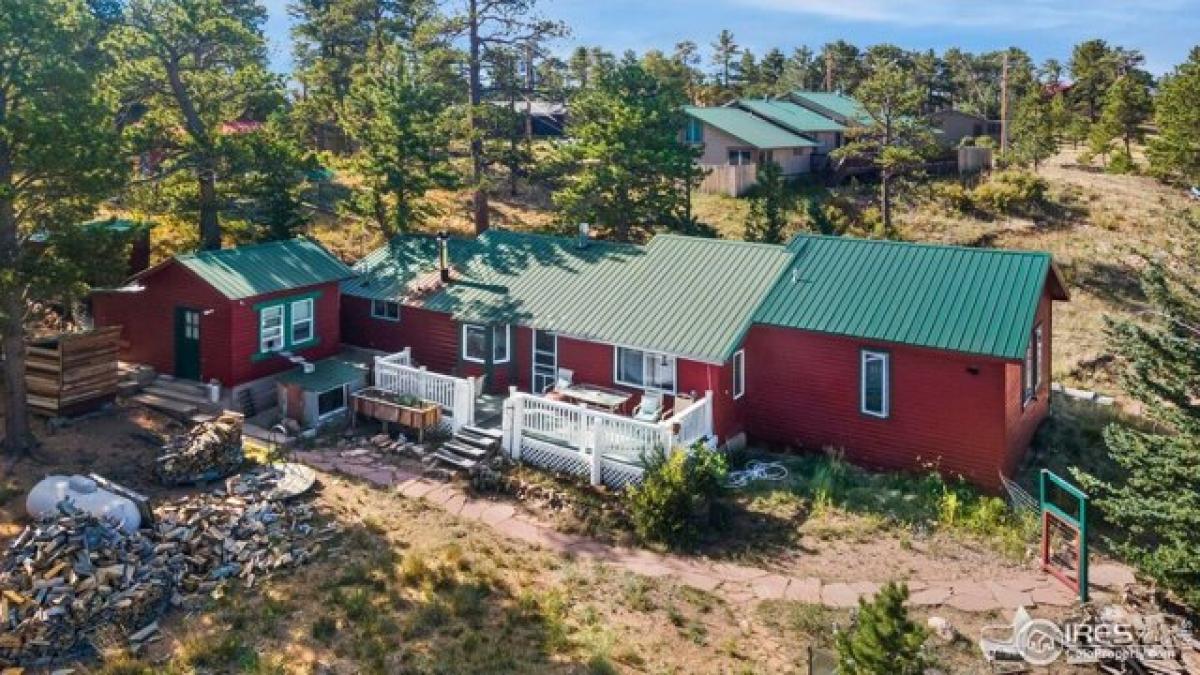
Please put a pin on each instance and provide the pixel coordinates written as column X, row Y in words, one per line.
column 897, row 138
column 626, row 169
column 883, row 639
column 1127, row 106
column 1175, row 151
column 725, row 49
column 1092, row 73
column 1153, row 504
column 1034, row 132
column 194, row 66
column 58, row 157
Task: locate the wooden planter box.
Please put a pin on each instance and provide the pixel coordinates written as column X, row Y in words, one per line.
column 369, row 402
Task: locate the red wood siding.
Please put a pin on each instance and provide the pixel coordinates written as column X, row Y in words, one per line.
column 947, row 409
column 433, row 336
column 147, row 320
column 228, row 328
column 1022, row 421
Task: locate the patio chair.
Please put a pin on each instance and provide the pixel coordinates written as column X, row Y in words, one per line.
column 650, row 408
column 566, row 378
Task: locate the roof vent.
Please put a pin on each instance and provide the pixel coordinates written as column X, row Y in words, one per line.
column 443, row 242
column 309, row 367
column 584, row 235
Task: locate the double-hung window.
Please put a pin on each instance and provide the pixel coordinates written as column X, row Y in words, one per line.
column 302, row 321
column 645, row 370
column 875, row 395
column 270, row 329
column 739, row 374
column 695, row 131
column 475, row 343
column 387, row 310
column 741, row 157
column 1031, row 370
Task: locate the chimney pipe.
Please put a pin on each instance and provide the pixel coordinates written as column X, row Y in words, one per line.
column 584, row 234
column 444, row 256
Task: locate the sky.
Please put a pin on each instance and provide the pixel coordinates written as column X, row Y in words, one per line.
column 1164, row 30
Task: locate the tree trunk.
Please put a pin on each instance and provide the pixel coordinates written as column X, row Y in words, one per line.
column 210, row 224
column 885, row 187
column 17, row 436
column 479, row 198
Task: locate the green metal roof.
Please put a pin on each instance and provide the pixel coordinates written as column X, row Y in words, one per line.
column 838, row 104
column 247, row 271
column 980, row 301
column 789, row 115
column 327, row 374
column 688, row 296
column 749, row 128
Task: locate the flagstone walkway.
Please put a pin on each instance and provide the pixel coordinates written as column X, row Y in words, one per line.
column 737, row 583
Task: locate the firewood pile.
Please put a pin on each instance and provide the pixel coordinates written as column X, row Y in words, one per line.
column 74, row 583
column 209, row 451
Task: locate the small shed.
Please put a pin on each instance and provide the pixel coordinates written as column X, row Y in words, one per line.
column 316, row 393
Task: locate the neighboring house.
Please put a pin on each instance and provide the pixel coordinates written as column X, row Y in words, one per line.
column 233, row 315
column 955, row 125
column 837, row 107
column 735, row 142
column 826, row 133
column 902, row 356
column 548, row 119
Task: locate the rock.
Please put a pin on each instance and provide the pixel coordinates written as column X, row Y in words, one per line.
column 941, row 627
column 381, row 440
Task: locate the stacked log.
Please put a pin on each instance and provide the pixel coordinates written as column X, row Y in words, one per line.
column 72, row 373
column 74, row 583
column 209, row 451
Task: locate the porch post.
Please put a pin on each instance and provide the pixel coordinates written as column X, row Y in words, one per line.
column 593, row 440
column 510, row 426
column 708, row 417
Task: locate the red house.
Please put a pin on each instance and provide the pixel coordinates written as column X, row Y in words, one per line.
column 901, row 355
column 232, row 315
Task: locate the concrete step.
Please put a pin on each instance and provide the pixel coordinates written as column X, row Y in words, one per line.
column 480, row 431
column 183, row 387
column 173, row 407
column 484, row 442
column 464, row 450
column 177, row 395
column 454, row 460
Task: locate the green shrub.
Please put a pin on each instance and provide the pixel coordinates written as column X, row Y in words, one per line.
column 1010, row 192
column 953, row 196
column 677, row 502
column 883, row 639
column 1121, row 163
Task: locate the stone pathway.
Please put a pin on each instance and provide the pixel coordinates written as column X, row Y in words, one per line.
column 739, row 583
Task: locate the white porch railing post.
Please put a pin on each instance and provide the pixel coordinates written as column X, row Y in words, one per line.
column 510, row 425
column 708, row 417
column 597, row 448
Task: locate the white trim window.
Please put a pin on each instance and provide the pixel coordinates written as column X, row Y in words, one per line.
column 875, row 385
column 739, row 374
column 387, row 310
column 270, row 329
column 1031, row 369
column 474, row 340
column 644, row 370
column 331, row 402
column 302, row 321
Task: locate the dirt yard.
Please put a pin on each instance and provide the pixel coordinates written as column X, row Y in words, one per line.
column 410, row 588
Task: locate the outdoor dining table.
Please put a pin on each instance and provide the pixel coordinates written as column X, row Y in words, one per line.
column 593, row 396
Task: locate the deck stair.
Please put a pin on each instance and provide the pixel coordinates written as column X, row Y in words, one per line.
column 469, row 446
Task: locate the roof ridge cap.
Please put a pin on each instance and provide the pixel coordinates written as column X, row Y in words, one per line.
column 925, row 244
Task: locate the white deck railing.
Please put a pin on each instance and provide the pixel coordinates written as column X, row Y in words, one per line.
column 605, row 447
column 456, row 395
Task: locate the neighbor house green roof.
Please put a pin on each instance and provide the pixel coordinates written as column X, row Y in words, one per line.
column 248, row 271
column 838, row 104
column 749, row 128
column 789, row 115
column 980, row 301
column 326, row 374
column 689, row 296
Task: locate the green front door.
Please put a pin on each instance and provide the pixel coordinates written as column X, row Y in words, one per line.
column 187, row 343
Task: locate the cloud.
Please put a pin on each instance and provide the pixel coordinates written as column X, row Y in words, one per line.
column 1006, row 14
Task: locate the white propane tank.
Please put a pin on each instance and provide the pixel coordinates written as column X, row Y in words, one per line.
column 85, row 495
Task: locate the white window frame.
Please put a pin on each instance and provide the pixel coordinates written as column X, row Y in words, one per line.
column 739, row 374
column 385, row 316
column 886, row 393
column 1031, row 367
column 310, row 321
column 466, row 327
column 345, row 399
column 646, row 354
column 276, row 332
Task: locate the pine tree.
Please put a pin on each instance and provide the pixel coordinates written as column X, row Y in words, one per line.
column 724, row 49
column 1127, row 105
column 626, row 168
column 884, row 639
column 768, row 206
column 1034, row 136
column 1154, row 506
column 1175, row 151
